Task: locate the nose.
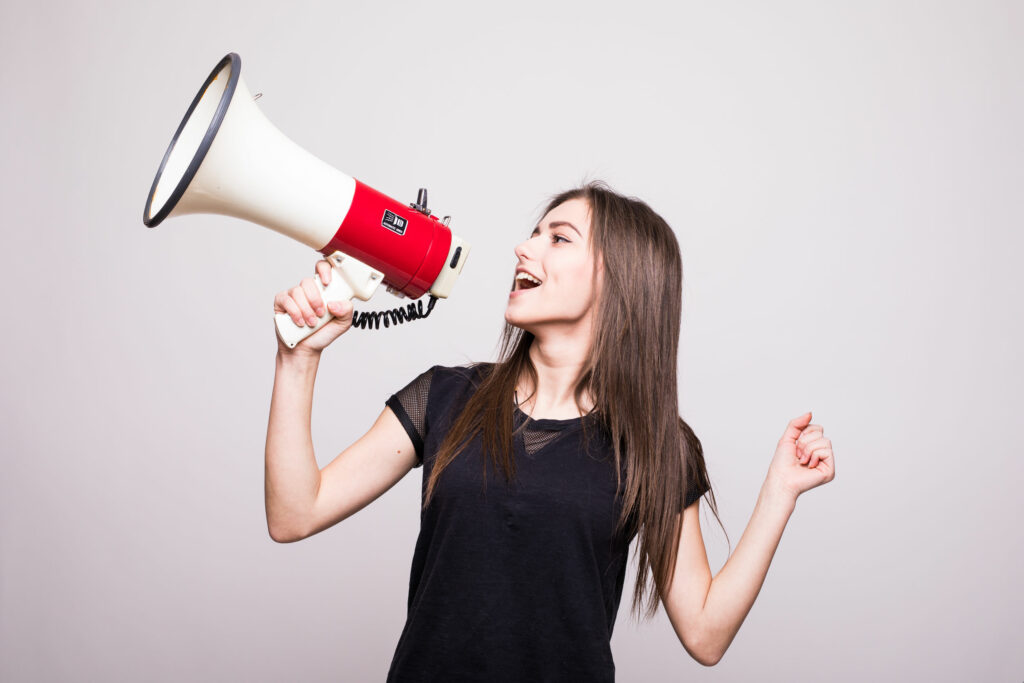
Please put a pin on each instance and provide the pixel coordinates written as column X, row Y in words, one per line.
column 520, row 251
column 524, row 250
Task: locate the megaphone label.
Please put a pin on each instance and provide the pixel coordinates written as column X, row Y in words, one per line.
column 393, row 222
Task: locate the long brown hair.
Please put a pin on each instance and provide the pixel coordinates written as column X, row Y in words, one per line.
column 630, row 373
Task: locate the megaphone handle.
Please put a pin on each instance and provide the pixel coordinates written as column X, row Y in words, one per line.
column 350, row 279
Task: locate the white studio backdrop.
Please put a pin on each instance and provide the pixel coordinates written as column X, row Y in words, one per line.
column 844, row 180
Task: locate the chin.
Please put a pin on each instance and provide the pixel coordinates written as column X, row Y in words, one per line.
column 517, row 321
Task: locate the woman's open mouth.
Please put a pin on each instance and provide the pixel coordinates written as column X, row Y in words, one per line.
column 525, row 281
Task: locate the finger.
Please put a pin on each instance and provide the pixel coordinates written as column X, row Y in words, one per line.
column 809, row 435
column 811, row 446
column 316, row 302
column 298, row 294
column 323, row 269
column 794, row 427
column 283, row 303
column 820, row 455
column 819, row 449
column 805, row 449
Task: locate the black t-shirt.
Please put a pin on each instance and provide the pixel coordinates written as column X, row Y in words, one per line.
column 519, row 581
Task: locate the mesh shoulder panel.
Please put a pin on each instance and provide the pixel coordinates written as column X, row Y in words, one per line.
column 413, row 398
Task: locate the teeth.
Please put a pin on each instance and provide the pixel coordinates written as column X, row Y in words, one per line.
column 528, row 278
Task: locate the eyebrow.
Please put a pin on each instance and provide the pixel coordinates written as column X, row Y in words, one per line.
column 558, row 224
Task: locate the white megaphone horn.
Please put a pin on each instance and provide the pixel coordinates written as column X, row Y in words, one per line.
column 227, row 158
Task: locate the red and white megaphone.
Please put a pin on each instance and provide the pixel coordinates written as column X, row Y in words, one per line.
column 227, row 158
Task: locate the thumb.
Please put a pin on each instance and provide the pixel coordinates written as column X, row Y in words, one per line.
column 796, row 426
column 340, row 309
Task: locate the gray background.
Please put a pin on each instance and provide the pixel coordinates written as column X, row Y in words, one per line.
column 845, row 182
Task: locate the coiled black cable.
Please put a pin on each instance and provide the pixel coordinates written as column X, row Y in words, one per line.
column 412, row 311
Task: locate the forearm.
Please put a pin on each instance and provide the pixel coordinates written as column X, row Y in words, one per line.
column 292, row 476
column 734, row 589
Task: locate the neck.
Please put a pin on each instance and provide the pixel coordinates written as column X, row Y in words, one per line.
column 558, row 360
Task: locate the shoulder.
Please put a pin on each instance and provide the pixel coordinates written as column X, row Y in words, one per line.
column 450, row 389
column 451, row 386
column 458, row 378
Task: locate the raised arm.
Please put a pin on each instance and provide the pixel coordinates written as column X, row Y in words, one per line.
column 705, row 612
column 300, row 499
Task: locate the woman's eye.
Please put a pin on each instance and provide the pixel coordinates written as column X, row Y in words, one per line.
column 557, row 238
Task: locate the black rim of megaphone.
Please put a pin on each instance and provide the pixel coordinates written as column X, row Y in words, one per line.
column 204, row 146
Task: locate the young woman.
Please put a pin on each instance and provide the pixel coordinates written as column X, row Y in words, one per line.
column 539, row 470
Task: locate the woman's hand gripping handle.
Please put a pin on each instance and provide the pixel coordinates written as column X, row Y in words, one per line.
column 318, row 310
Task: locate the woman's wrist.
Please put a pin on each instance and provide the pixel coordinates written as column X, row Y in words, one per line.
column 777, row 495
column 299, row 359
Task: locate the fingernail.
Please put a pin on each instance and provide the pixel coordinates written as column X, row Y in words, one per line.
column 320, row 311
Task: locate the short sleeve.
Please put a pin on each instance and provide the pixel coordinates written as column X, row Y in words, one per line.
column 694, row 492
column 698, row 483
column 409, row 404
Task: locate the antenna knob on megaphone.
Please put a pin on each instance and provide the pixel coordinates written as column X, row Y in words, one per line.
column 421, row 202
column 226, row 158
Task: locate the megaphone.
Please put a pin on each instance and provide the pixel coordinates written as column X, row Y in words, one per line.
column 227, row 158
